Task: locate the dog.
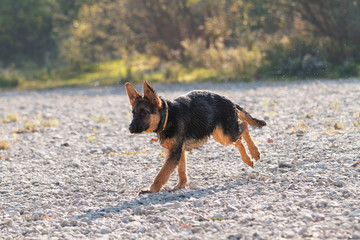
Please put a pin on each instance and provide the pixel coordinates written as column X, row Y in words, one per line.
column 187, row 123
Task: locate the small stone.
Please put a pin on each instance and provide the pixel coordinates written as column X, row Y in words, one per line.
column 307, row 216
column 231, row 208
column 355, row 213
column 65, row 145
column 35, row 183
column 236, row 237
column 302, row 231
column 321, row 204
column 320, row 166
column 345, row 193
column 288, row 234
column 64, row 223
column 339, row 183
column 198, row 204
column 299, row 133
column 202, row 219
column 8, row 223
column 107, row 150
column 256, row 236
column 284, row 165
column 318, row 217
column 196, row 230
column 273, row 169
column 73, row 223
column 173, row 229
column 35, row 217
column 218, row 217
column 105, row 231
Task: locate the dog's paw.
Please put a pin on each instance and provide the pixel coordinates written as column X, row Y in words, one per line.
column 180, row 185
column 247, row 161
column 255, row 153
column 143, row 191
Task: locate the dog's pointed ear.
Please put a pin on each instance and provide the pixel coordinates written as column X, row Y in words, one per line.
column 132, row 93
column 151, row 95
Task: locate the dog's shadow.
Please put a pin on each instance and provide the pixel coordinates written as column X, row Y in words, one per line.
column 161, row 198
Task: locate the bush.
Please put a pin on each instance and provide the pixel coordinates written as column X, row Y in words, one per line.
column 9, row 79
column 295, row 57
column 232, row 63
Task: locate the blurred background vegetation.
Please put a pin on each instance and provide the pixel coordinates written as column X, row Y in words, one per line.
column 51, row 43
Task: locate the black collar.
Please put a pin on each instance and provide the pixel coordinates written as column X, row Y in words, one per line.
column 164, row 119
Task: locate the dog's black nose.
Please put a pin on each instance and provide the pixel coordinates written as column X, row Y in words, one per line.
column 132, row 129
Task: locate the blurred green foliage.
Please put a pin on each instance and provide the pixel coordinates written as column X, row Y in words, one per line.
column 49, row 43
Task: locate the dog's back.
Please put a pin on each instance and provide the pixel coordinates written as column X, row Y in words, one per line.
column 198, row 113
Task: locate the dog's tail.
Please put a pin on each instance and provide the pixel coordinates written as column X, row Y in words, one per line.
column 246, row 117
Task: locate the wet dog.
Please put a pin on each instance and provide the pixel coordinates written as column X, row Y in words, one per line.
column 187, row 123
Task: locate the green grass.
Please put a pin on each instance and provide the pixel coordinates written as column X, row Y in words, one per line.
column 138, row 69
column 103, row 74
column 114, row 72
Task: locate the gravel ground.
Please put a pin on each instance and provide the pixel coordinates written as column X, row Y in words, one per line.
column 73, row 170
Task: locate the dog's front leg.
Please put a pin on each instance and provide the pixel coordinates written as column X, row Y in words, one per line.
column 171, row 161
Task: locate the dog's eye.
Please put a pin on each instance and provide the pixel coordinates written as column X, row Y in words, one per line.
column 144, row 112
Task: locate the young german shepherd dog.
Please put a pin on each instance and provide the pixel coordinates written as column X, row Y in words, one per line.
column 187, row 123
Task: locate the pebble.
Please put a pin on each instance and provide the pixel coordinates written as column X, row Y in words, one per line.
column 339, row 183
column 320, row 165
column 355, row 213
column 299, row 133
column 105, row 231
column 302, row 231
column 284, row 165
column 80, row 179
column 231, row 208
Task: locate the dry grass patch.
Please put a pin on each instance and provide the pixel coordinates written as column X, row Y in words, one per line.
column 4, row 145
column 31, row 126
column 10, row 117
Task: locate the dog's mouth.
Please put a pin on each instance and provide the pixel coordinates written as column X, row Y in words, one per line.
column 133, row 128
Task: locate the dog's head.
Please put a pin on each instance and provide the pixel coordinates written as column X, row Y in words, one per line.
column 145, row 109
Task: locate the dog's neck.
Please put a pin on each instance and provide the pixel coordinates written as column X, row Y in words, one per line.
column 164, row 118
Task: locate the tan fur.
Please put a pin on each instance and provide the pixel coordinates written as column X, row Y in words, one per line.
column 151, row 95
column 132, row 93
column 245, row 118
column 168, row 143
column 220, row 137
column 253, row 149
column 244, row 156
column 154, row 120
column 181, row 168
column 163, row 175
column 191, row 144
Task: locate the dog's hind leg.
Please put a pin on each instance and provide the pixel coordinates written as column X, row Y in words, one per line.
column 181, row 168
column 225, row 140
column 253, row 149
column 244, row 156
